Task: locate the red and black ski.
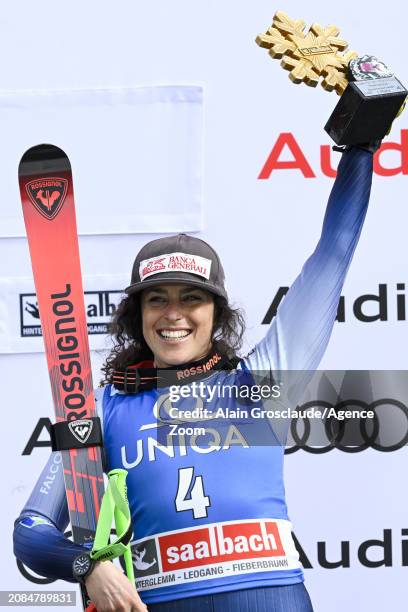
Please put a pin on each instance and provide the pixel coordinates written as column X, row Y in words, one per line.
column 49, row 213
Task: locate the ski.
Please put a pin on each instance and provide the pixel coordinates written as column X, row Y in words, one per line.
column 47, row 197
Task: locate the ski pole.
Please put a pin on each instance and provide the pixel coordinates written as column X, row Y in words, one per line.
column 114, row 505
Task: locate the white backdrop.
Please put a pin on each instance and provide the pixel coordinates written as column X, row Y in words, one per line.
column 262, row 229
column 149, row 129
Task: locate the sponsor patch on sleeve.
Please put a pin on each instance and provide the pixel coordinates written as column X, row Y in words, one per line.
column 34, row 521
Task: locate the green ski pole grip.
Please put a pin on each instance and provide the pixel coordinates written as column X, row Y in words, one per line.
column 114, row 505
column 121, row 521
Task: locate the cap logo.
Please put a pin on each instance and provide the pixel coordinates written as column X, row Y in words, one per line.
column 175, row 262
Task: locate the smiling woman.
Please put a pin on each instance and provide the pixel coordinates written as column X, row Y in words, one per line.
column 177, row 323
column 211, row 527
column 172, row 316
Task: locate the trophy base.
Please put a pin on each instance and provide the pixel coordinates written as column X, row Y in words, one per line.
column 366, row 110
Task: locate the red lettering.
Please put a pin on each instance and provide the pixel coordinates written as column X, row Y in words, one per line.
column 298, row 163
column 219, row 543
column 402, row 148
column 325, row 161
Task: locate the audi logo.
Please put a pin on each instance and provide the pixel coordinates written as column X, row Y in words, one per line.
column 386, row 432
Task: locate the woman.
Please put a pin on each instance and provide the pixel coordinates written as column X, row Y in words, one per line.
column 210, row 521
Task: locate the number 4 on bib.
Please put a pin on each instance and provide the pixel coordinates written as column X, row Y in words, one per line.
column 190, row 494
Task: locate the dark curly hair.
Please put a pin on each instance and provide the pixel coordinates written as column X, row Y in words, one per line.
column 130, row 346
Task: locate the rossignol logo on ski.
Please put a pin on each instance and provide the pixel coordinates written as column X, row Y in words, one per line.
column 67, row 337
column 47, row 195
column 81, row 429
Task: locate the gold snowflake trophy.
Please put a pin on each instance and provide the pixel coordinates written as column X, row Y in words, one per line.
column 371, row 96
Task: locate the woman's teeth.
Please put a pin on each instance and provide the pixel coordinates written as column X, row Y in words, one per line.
column 172, row 334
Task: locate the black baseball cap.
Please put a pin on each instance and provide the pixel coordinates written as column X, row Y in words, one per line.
column 178, row 259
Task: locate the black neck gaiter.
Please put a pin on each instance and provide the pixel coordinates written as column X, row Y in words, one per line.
column 144, row 376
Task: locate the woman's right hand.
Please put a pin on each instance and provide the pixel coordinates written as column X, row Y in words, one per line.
column 111, row 591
